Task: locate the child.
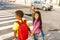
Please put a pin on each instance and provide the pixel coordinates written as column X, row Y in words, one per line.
column 37, row 25
column 18, row 26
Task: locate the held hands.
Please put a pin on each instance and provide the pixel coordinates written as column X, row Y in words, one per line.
column 31, row 34
column 14, row 38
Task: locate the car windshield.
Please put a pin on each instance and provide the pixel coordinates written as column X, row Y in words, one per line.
column 37, row 2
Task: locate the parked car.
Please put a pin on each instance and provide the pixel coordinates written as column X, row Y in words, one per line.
column 42, row 5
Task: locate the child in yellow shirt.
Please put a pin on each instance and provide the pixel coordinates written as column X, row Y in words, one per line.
column 19, row 16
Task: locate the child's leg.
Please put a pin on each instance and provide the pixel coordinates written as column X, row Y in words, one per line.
column 35, row 36
column 16, row 38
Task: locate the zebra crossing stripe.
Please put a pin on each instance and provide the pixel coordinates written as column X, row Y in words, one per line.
column 6, row 27
column 6, row 15
column 10, row 26
column 7, row 21
column 7, row 18
column 5, row 36
column 12, row 21
column 8, row 35
column 29, row 22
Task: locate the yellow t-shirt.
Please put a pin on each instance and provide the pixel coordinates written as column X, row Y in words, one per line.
column 15, row 27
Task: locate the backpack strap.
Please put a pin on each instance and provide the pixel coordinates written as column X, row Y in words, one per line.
column 18, row 22
column 24, row 21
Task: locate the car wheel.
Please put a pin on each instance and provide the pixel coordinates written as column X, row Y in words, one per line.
column 44, row 8
column 49, row 9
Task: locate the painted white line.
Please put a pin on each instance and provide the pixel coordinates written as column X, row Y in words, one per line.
column 5, row 15
column 7, row 21
column 29, row 21
column 5, row 36
column 12, row 21
column 6, row 27
column 10, row 26
column 6, row 18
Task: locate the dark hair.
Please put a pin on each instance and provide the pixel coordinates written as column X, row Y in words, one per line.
column 39, row 18
column 19, row 13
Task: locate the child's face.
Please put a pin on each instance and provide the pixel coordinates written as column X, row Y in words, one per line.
column 36, row 16
column 17, row 17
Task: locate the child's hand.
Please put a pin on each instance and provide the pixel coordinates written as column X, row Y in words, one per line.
column 14, row 38
column 31, row 34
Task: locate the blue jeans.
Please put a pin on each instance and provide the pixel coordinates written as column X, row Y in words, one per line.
column 36, row 36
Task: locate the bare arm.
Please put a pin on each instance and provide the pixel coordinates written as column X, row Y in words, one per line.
column 15, row 34
column 36, row 27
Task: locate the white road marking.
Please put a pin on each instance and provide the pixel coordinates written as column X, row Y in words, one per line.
column 6, row 27
column 5, row 36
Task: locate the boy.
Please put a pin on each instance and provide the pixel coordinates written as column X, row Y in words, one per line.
column 19, row 16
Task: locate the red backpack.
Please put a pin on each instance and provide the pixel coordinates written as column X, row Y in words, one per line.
column 22, row 30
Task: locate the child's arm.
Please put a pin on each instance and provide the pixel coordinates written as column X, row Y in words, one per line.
column 15, row 34
column 29, row 30
column 15, row 28
column 36, row 27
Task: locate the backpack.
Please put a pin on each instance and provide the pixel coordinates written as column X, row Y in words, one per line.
column 22, row 30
